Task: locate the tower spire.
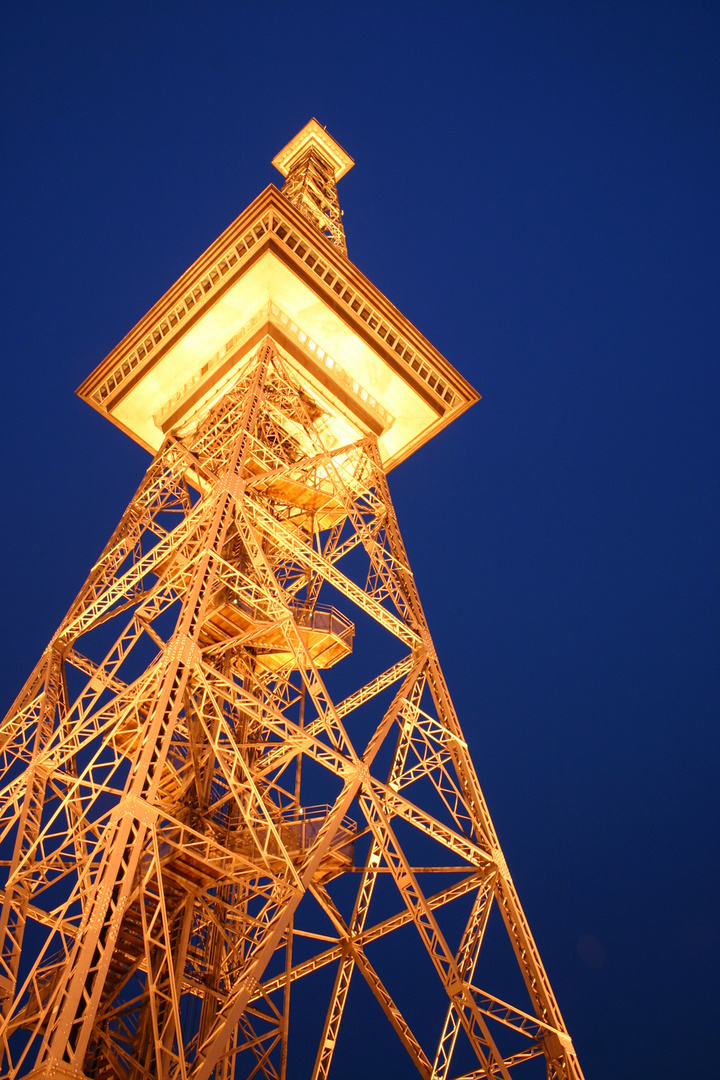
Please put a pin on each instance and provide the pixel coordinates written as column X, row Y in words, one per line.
column 312, row 163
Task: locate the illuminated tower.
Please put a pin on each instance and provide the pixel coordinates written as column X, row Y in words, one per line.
column 235, row 785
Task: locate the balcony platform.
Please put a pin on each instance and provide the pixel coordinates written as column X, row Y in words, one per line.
column 272, row 274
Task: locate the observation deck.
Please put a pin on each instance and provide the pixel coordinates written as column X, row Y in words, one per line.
column 274, row 273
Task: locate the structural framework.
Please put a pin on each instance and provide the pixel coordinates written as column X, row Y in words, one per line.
column 234, row 789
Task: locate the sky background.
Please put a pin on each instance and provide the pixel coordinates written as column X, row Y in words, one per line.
column 536, row 189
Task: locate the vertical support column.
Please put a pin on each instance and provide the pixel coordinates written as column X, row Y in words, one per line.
column 67, row 1039
column 13, row 914
column 560, row 1055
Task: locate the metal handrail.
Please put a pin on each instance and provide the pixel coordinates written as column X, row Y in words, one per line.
column 322, row 617
column 313, row 813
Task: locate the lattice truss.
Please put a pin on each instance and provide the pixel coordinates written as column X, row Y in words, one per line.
column 214, row 808
column 310, row 185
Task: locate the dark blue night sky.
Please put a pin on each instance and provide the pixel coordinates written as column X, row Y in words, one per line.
column 536, row 188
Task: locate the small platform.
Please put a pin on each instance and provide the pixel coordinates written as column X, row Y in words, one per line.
column 326, row 634
column 318, row 502
column 299, row 832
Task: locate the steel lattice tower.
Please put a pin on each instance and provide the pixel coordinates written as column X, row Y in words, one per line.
column 235, row 779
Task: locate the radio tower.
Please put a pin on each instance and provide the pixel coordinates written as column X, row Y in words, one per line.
column 234, row 786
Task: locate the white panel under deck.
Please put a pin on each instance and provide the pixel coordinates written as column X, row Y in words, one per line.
column 270, row 279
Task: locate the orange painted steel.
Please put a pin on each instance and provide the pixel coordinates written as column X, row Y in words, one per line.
column 215, row 788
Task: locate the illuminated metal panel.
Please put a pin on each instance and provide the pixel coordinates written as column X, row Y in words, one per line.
column 272, row 253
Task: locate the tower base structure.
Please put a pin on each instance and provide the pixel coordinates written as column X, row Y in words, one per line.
column 235, row 785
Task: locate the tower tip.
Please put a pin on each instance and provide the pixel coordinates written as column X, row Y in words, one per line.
column 314, row 136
